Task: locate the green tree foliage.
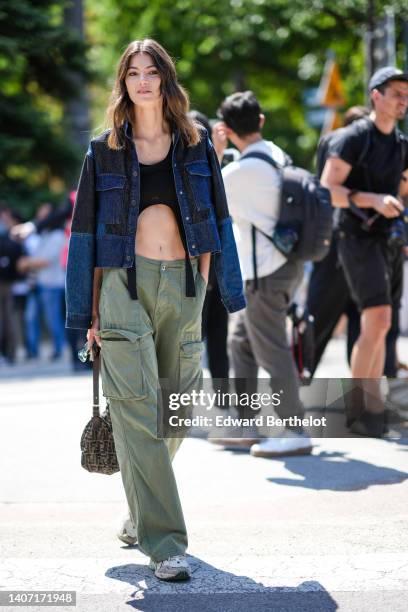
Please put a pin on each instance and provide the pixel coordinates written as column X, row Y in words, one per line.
column 275, row 47
column 38, row 57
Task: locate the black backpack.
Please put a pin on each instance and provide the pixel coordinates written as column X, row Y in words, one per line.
column 304, row 228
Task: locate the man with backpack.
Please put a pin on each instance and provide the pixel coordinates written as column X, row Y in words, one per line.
column 253, row 188
column 367, row 174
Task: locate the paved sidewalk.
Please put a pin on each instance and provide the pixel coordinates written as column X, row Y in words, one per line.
column 325, row 532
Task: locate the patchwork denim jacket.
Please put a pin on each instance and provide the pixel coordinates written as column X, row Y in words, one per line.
column 106, row 211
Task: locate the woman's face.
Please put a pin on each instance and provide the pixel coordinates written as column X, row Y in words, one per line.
column 143, row 80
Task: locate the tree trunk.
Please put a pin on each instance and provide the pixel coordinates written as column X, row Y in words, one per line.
column 77, row 109
column 369, row 45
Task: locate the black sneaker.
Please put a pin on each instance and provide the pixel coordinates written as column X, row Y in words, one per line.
column 370, row 424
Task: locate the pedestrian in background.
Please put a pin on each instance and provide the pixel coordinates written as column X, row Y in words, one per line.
column 367, row 193
column 11, row 253
column 259, row 336
column 328, row 296
column 48, row 287
column 215, row 315
column 30, row 232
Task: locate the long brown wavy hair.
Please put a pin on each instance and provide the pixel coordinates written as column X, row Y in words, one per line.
column 175, row 99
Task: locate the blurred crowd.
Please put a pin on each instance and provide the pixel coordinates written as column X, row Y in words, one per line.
column 33, row 258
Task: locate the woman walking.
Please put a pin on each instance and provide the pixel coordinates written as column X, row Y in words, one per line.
column 149, row 212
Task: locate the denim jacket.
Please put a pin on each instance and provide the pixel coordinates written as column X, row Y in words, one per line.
column 106, row 211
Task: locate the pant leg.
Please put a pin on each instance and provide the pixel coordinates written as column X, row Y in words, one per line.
column 396, row 269
column 265, row 322
column 32, row 322
column 390, row 365
column 11, row 344
column 353, row 328
column 243, row 361
column 8, row 324
column 3, row 290
column 327, row 299
column 217, row 333
column 51, row 301
column 18, row 310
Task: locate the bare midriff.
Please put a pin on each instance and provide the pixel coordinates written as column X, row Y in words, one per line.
column 158, row 235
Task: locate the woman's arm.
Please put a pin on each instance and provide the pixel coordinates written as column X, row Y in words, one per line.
column 204, row 265
column 82, row 247
column 30, row 264
column 97, row 283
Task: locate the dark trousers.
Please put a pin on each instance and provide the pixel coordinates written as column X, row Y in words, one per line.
column 7, row 322
column 215, row 333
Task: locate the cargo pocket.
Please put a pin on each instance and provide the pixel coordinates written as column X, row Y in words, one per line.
column 110, row 190
column 190, row 366
column 122, row 364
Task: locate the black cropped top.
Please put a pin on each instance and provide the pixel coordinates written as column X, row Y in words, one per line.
column 157, row 187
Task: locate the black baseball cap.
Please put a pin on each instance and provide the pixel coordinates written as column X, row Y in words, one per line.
column 386, row 74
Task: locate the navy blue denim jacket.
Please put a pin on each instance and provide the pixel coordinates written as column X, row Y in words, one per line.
column 106, row 211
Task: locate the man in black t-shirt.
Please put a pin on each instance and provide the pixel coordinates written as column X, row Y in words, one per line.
column 367, row 193
column 328, row 295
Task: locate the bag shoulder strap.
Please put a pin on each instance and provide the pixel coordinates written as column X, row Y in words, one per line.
column 403, row 142
column 269, row 160
column 262, row 156
column 95, row 373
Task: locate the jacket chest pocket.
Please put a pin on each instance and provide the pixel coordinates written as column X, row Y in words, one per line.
column 198, row 175
column 110, row 189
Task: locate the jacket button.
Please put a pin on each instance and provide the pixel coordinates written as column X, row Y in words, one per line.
column 128, row 257
column 134, row 172
column 187, row 218
column 193, row 246
column 133, row 202
column 181, row 193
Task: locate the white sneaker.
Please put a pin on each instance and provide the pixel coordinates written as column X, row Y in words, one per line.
column 292, row 444
column 127, row 532
column 173, row 568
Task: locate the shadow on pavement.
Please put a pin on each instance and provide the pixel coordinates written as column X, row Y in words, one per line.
column 334, row 471
column 214, row 590
column 41, row 370
column 402, row 442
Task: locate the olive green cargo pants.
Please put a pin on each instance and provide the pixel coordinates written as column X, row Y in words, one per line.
column 155, row 337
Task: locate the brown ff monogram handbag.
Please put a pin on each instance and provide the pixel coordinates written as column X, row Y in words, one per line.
column 97, row 444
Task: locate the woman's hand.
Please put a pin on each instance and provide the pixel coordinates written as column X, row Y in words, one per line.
column 90, row 336
column 220, row 139
column 387, row 205
column 204, row 276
